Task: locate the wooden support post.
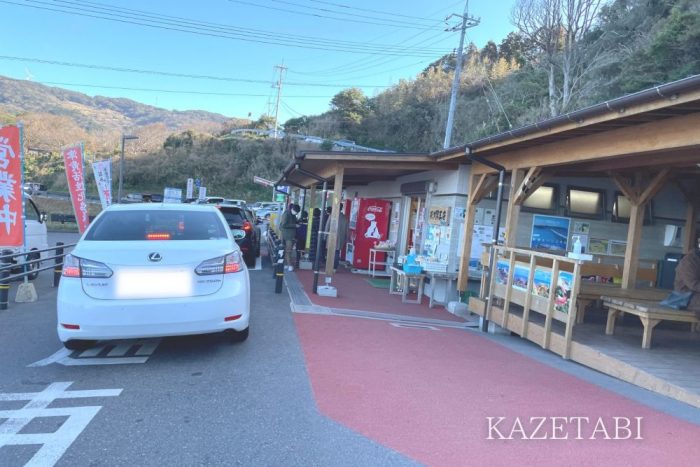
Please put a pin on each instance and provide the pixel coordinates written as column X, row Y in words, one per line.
column 513, row 213
column 467, row 234
column 639, row 192
column 509, row 291
column 311, row 204
column 528, row 297
column 333, row 221
column 550, row 305
column 634, row 236
column 690, row 230
column 573, row 311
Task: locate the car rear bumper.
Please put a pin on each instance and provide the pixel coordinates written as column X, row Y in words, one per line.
column 125, row 319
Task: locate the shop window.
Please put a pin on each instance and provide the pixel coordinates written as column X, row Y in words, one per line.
column 545, row 199
column 585, row 202
column 622, row 208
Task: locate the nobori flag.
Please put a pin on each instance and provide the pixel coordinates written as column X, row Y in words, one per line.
column 11, row 203
column 103, row 178
column 73, row 159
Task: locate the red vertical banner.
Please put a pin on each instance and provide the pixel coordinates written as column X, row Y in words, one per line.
column 11, row 203
column 73, row 159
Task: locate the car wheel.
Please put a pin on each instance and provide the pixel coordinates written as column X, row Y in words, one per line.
column 77, row 344
column 239, row 336
column 33, row 268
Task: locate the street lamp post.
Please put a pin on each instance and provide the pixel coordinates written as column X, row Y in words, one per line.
column 121, row 167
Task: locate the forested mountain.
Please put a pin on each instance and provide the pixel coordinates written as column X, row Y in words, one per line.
column 590, row 52
column 562, row 55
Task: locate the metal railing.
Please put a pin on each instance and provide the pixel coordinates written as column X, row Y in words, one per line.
column 8, row 266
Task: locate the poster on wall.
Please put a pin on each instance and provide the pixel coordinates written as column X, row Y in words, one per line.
column 11, row 211
column 617, row 247
column 502, row 270
column 521, row 274
column 598, row 246
column 562, row 295
column 439, row 215
column 550, row 232
column 582, row 227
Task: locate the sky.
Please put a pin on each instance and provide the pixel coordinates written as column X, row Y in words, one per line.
column 324, row 45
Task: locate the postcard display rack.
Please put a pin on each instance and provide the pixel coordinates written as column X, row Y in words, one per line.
column 527, row 283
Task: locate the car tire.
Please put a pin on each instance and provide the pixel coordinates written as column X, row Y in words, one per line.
column 33, row 268
column 239, row 336
column 78, row 344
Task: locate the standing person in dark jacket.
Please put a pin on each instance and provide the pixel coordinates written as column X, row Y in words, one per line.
column 302, row 226
column 288, row 231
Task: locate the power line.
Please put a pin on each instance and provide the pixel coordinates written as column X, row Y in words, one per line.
column 364, row 63
column 130, row 12
column 395, row 24
column 348, row 12
column 173, row 91
column 207, row 31
column 420, row 18
column 179, row 75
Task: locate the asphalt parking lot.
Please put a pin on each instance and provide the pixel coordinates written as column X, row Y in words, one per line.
column 175, row 401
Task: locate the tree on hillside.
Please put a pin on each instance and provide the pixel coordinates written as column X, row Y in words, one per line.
column 265, row 122
column 297, row 125
column 556, row 28
column 351, row 107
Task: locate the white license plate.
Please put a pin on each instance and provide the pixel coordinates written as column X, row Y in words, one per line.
column 162, row 283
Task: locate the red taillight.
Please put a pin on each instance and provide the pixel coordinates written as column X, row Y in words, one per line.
column 71, row 271
column 232, row 267
column 71, row 266
column 158, row 236
column 70, row 326
column 232, row 318
column 247, row 226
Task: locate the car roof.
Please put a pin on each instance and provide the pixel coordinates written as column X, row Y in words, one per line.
column 161, row 207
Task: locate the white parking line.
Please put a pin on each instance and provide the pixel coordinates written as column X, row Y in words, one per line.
column 116, row 356
column 53, row 445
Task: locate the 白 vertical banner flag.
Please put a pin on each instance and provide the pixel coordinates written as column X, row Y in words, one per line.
column 103, row 178
column 190, row 188
column 11, row 203
column 73, row 159
column 202, row 193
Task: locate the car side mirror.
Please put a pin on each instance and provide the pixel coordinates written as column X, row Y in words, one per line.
column 238, row 234
column 43, row 217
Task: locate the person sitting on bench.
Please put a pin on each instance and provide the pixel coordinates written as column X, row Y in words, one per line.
column 688, row 278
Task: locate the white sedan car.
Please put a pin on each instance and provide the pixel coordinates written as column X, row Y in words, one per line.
column 152, row 270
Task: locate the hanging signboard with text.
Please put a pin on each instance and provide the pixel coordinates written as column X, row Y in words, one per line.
column 439, row 215
column 11, row 205
column 103, row 178
column 73, row 160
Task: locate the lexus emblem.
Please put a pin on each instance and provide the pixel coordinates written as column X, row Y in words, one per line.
column 155, row 257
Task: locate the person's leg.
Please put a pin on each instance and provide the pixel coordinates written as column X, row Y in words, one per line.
column 288, row 246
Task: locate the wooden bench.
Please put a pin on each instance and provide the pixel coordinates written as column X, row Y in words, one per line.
column 650, row 314
column 590, row 292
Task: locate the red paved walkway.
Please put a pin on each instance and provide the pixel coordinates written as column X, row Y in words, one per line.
column 427, row 394
column 355, row 293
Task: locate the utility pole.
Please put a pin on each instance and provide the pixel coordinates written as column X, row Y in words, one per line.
column 466, row 22
column 281, row 69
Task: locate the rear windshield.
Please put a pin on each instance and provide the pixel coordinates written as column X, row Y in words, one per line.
column 234, row 216
column 157, row 225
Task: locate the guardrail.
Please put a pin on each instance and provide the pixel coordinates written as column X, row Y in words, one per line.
column 8, row 266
